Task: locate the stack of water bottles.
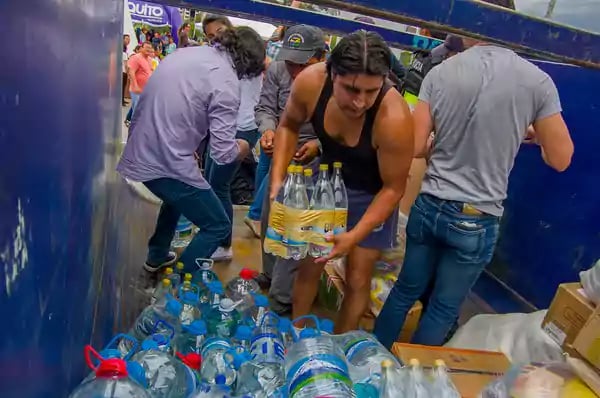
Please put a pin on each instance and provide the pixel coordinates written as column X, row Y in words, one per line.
column 200, row 339
column 305, row 215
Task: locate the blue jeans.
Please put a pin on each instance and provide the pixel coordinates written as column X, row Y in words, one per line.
column 260, row 185
column 200, row 206
column 442, row 243
column 135, row 98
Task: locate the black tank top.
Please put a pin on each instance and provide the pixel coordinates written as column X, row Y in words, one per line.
column 360, row 168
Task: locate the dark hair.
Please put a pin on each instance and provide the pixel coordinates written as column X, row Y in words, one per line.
column 210, row 18
column 360, row 52
column 182, row 27
column 126, row 35
column 149, row 43
column 246, row 48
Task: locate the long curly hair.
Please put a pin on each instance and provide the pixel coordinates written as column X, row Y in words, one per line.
column 246, row 49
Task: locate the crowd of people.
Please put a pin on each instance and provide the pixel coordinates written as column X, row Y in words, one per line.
column 472, row 107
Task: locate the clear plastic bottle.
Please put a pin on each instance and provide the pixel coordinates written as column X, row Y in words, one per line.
column 222, row 320
column 341, row 199
column 277, row 224
column 323, row 202
column 164, row 287
column 214, row 367
column 187, row 277
column 308, row 181
column 391, row 381
column 166, row 376
column 239, row 288
column 295, row 204
column 111, row 380
column 174, row 278
column 267, row 349
column 211, row 297
column 242, row 337
column 205, row 274
column 441, row 385
column 415, row 385
column 315, row 366
column 255, row 311
column 364, row 354
column 180, row 269
column 191, row 338
column 189, row 296
column 286, row 330
column 183, row 233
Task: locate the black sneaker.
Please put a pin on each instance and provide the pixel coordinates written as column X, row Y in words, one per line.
column 263, row 281
column 171, row 258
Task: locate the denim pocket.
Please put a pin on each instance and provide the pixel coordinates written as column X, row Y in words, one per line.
column 468, row 239
column 414, row 226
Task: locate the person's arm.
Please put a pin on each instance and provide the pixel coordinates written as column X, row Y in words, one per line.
column 551, row 131
column 266, row 111
column 423, row 120
column 286, row 137
column 395, row 147
column 133, row 66
column 222, row 118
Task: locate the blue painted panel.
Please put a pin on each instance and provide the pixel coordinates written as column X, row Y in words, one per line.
column 479, row 19
column 551, row 227
column 277, row 14
column 59, row 97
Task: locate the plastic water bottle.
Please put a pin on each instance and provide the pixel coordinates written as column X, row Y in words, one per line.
column 111, row 380
column 308, row 181
column 180, row 270
column 276, row 228
column 161, row 291
column 242, row 337
column 295, row 203
column 239, row 288
column 341, row 199
column 391, row 381
column 365, row 354
column 323, row 202
column 214, row 368
column 414, row 381
column 286, row 330
column 222, row 320
column 211, row 297
column 187, row 277
column 189, row 296
column 191, row 337
column 205, row 274
column 267, row 349
column 183, row 233
column 315, row 366
column 174, row 278
column 441, row 384
column 165, row 375
column 255, row 313
column 213, row 391
column 326, row 326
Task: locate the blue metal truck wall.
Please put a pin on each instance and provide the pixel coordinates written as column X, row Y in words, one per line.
column 70, row 229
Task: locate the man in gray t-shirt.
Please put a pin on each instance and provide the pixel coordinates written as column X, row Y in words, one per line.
column 481, row 104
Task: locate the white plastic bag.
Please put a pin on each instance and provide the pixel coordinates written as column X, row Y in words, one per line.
column 590, row 280
column 519, row 336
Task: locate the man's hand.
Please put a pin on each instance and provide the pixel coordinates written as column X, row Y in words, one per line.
column 307, row 152
column 342, row 244
column 266, row 142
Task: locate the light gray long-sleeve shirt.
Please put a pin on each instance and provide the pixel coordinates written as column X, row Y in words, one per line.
column 273, row 97
column 194, row 90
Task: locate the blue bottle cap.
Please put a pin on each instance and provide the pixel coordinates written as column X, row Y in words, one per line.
column 189, row 297
column 261, row 301
column 196, row 328
column 137, row 373
column 326, row 325
column 220, row 379
column 149, row 344
column 174, row 307
column 160, row 339
column 110, row 353
column 285, row 325
column 243, row 332
column 308, row 333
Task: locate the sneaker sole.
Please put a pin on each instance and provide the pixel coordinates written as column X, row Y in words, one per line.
column 154, row 269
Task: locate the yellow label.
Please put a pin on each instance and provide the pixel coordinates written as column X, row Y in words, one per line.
column 321, row 226
column 341, row 221
column 277, row 217
column 297, row 226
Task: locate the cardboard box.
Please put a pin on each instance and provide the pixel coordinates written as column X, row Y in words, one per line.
column 470, row 370
column 569, row 311
column 587, row 342
column 331, row 295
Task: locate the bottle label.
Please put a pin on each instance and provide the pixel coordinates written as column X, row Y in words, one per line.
column 267, row 348
column 317, row 368
column 273, row 242
column 277, row 218
column 341, row 220
column 355, row 346
column 298, row 224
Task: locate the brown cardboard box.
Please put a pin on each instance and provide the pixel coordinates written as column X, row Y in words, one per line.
column 331, row 294
column 567, row 314
column 587, row 342
column 470, row 370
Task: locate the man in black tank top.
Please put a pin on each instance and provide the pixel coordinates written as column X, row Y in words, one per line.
column 364, row 123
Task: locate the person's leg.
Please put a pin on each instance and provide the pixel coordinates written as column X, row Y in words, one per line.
column 469, row 246
column 418, row 267
column 306, row 286
column 268, row 260
column 282, row 284
column 159, row 244
column 262, row 169
column 359, row 272
column 134, row 101
column 124, row 87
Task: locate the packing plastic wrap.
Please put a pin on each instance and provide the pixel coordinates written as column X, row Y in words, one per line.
column 518, row 336
column 590, row 280
column 551, row 380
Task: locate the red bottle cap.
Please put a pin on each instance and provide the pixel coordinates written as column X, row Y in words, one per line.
column 247, row 274
column 192, row 360
column 114, row 367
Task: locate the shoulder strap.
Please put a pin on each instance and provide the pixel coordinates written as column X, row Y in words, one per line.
column 318, row 115
column 367, row 130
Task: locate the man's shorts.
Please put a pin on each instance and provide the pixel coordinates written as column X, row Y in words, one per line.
column 383, row 236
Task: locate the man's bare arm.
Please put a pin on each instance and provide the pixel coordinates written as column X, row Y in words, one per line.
column 395, row 142
column 286, row 136
column 553, row 136
column 423, row 126
column 133, row 84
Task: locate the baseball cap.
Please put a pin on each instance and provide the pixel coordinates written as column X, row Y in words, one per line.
column 451, row 44
column 300, row 43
